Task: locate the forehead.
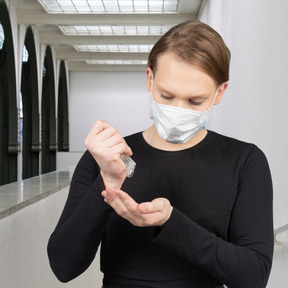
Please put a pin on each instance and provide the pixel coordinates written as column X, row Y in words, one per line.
column 175, row 73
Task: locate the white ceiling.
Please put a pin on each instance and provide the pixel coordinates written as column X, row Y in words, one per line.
column 92, row 39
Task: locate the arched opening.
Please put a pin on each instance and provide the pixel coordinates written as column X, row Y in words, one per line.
column 29, row 93
column 63, row 119
column 9, row 146
column 49, row 145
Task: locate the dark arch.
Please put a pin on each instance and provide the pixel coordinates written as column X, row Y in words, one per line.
column 63, row 119
column 9, row 146
column 49, row 146
column 29, row 90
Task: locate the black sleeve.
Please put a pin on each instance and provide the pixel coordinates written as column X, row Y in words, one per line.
column 74, row 243
column 245, row 259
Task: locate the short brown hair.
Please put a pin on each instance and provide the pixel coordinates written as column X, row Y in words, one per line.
column 198, row 44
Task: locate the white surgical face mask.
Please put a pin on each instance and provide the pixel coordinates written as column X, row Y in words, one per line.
column 178, row 125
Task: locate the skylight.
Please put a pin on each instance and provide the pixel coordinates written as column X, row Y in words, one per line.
column 2, row 36
column 113, row 48
column 117, row 62
column 110, row 6
column 116, row 30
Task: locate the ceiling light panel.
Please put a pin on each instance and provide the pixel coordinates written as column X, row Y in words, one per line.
column 115, row 30
column 114, row 48
column 117, row 62
column 110, row 6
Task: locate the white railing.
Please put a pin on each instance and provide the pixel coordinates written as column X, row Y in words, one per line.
column 278, row 231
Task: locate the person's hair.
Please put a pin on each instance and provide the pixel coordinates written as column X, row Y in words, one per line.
column 195, row 43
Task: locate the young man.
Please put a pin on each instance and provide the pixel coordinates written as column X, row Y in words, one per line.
column 197, row 211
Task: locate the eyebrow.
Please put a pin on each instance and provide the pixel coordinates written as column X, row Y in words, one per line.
column 200, row 96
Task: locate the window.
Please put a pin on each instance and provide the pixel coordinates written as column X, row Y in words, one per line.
column 2, row 36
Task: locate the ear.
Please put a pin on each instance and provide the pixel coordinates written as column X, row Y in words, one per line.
column 149, row 75
column 220, row 92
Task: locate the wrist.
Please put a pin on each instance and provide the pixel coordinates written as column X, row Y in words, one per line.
column 113, row 182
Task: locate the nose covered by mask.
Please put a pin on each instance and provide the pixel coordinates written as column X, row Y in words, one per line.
column 178, row 125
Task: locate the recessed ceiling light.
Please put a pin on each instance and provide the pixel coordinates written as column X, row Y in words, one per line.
column 114, row 48
column 116, row 30
column 110, row 6
column 116, row 62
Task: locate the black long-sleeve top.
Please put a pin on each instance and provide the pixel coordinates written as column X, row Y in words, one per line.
column 220, row 230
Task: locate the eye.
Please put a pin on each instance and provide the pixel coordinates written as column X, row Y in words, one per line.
column 166, row 97
column 195, row 103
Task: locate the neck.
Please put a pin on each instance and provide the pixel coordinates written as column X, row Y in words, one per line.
column 152, row 137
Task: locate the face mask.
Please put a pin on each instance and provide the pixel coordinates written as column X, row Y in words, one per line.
column 178, row 125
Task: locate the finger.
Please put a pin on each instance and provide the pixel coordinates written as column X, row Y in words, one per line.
column 115, row 202
column 113, row 140
column 107, row 133
column 127, row 200
column 157, row 205
column 109, row 194
column 112, row 137
column 97, row 127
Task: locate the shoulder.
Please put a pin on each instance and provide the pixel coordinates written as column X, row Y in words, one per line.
column 232, row 144
column 248, row 156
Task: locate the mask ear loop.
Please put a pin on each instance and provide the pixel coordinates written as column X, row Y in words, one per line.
column 214, row 98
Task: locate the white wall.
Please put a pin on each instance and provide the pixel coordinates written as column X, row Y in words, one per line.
column 119, row 98
column 254, row 107
column 23, row 241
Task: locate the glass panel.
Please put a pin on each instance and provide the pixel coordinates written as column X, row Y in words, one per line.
column 130, row 30
column 141, row 6
column 68, row 29
column 123, row 48
column 133, row 48
column 96, row 6
column 118, row 29
column 156, row 6
column 111, row 6
column 126, row 5
column 143, row 30
column 2, row 36
column 94, row 29
column 54, row 8
column 106, row 29
column 113, row 48
column 81, row 29
column 155, row 30
column 170, row 6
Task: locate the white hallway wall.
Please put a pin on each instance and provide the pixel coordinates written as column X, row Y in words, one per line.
column 254, row 107
column 119, row 98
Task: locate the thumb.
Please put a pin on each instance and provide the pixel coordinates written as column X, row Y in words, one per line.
column 157, row 205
